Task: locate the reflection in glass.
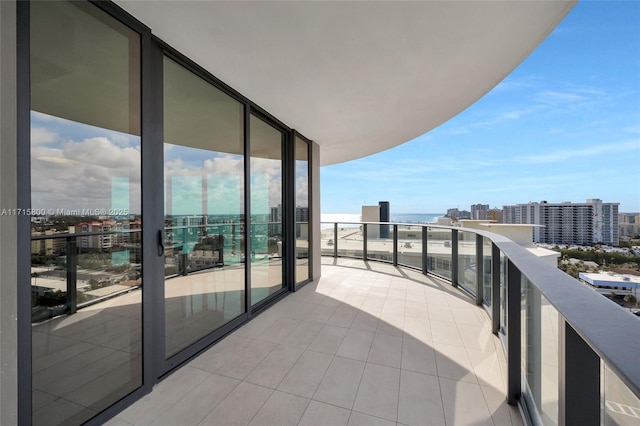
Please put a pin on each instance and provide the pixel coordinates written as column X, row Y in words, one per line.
column 302, row 211
column 410, row 246
column 266, row 210
column 540, row 353
column 204, row 208
column 503, row 294
column 350, row 240
column 620, row 405
column 85, row 195
column 467, row 261
column 486, row 271
column 439, row 252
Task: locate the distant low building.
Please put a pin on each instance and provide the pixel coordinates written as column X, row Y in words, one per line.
column 606, row 282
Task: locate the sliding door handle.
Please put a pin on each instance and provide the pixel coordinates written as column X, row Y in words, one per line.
column 160, row 242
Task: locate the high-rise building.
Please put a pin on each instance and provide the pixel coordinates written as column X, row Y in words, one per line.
column 479, row 211
column 591, row 222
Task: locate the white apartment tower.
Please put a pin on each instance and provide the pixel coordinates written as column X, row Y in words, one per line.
column 591, row 222
column 479, row 211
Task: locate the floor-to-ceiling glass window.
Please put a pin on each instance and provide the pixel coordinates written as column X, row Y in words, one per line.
column 204, row 207
column 302, row 210
column 86, row 211
column 267, row 251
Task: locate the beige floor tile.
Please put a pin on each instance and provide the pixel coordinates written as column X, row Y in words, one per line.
column 453, row 363
column 386, row 350
column 270, row 372
column 246, row 360
column 328, row 339
column 356, row 345
column 303, row 334
column 445, row 332
column 340, row 383
column 321, row 414
column 343, row 316
column 464, row 403
column 378, row 392
column 486, row 366
column 361, row 419
column 501, row 412
column 391, row 324
column 416, row 309
column 282, row 409
column 418, row 328
column 476, row 337
column 278, row 331
column 365, row 321
column 240, row 406
column 420, row 402
column 440, row 313
column 165, row 394
column 418, row 356
column 196, row 404
column 322, row 313
column 305, row 375
column 393, row 306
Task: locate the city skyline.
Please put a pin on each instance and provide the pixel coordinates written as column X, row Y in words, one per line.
column 563, row 126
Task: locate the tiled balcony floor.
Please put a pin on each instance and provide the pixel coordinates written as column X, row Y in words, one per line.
column 369, row 344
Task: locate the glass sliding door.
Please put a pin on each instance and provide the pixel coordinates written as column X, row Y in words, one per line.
column 302, row 210
column 204, row 208
column 86, row 211
column 267, row 260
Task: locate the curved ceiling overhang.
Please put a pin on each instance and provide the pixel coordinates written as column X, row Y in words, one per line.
column 356, row 77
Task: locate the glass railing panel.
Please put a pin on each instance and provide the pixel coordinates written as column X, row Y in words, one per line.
column 439, row 251
column 410, row 246
column 540, row 355
column 620, row 406
column 503, row 294
column 486, row 271
column 113, row 269
column 327, row 239
column 467, row 262
column 380, row 242
column 49, row 279
column 350, row 240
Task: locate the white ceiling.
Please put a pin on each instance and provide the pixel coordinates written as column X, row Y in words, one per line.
column 357, row 77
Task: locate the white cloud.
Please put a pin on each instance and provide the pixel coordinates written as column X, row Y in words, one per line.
column 42, row 136
column 85, row 174
column 589, row 151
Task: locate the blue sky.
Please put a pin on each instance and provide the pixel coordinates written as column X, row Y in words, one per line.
column 563, row 126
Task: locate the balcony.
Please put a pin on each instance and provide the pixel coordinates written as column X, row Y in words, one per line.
column 408, row 323
column 369, row 343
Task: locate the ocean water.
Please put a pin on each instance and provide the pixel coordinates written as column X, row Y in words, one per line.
column 395, row 217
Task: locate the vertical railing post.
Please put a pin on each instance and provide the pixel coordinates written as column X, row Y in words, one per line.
column 580, row 380
column 454, row 257
column 72, row 274
column 479, row 269
column 335, row 239
column 364, row 241
column 395, row 245
column 425, row 252
column 514, row 337
column 495, row 288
